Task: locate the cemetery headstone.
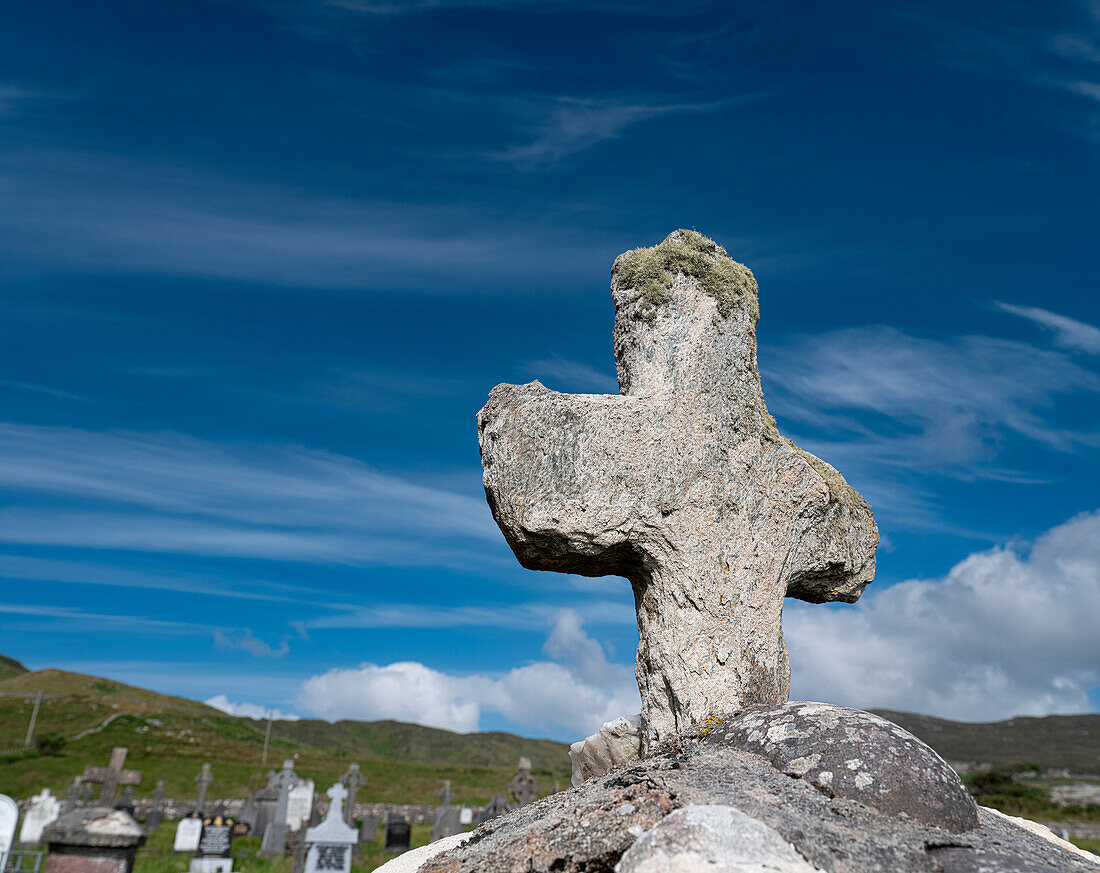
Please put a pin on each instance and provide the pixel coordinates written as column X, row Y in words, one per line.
column 446, row 818
column 204, row 780
column 93, row 839
column 156, row 812
column 329, row 844
column 188, row 834
column 300, row 804
column 248, row 814
column 267, row 799
column 111, row 776
column 42, row 809
column 466, row 815
column 497, row 806
column 682, row 483
column 524, row 787
column 353, row 780
column 215, row 849
column 9, row 818
column 368, row 830
column 398, row 835
column 73, row 795
column 274, row 843
column 126, row 802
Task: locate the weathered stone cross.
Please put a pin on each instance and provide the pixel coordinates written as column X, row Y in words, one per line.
column 112, row 776
column 682, row 484
column 353, row 780
column 204, row 780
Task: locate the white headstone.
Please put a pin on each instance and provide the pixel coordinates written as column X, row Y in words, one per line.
column 43, row 809
column 328, row 845
column 299, row 804
column 9, row 818
column 188, row 832
column 466, row 815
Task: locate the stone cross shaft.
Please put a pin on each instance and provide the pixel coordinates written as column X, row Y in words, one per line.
column 204, row 780
column 446, row 793
column 112, row 776
column 285, row 782
column 682, row 484
column 353, row 780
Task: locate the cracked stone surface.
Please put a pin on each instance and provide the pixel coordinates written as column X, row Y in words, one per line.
column 593, row 827
column 682, row 484
column 854, row 754
column 717, row 839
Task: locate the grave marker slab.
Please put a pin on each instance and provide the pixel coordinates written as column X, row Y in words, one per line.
column 43, row 809
column 215, row 849
column 9, row 818
column 156, row 813
column 299, row 806
column 275, row 833
column 188, row 834
column 398, row 835
column 368, row 831
column 329, row 844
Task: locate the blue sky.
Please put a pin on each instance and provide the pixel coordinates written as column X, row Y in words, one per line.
column 262, row 262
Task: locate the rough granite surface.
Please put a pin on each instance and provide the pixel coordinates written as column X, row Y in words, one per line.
column 718, row 839
column 854, row 754
column 682, row 484
column 589, row 828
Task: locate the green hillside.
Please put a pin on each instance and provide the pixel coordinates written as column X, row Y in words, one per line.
column 1065, row 742
column 170, row 737
column 412, row 742
column 10, row 667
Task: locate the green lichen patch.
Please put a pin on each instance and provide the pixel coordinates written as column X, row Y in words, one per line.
column 651, row 272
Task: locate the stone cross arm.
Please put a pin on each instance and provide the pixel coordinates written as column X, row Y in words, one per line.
column 682, row 484
column 112, row 776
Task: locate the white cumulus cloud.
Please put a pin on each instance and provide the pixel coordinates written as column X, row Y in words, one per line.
column 569, row 696
column 248, row 710
column 1008, row 631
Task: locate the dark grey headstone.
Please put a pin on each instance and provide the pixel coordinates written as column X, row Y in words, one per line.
column 446, row 823
column 855, row 755
column 398, row 836
column 368, row 830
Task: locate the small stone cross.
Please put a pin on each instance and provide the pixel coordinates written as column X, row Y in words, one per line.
column 73, row 794
column 353, row 780
column 337, row 794
column 446, row 793
column 524, row 787
column 682, row 484
column 112, row 776
column 285, row 780
column 204, row 780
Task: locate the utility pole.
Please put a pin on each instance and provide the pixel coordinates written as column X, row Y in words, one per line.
column 267, row 737
column 34, row 718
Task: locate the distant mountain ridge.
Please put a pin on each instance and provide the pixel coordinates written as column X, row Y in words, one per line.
column 1061, row 742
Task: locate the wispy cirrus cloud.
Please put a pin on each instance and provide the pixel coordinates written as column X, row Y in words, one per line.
column 176, row 494
column 1068, row 332
column 104, row 212
column 246, row 641
column 573, row 375
column 574, row 125
column 891, row 409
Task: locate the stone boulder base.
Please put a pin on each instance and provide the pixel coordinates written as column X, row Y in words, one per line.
column 740, row 810
column 94, row 839
column 854, row 754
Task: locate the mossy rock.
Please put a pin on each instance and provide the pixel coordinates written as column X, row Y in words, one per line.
column 651, row 272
